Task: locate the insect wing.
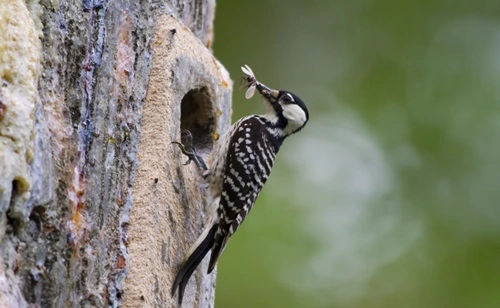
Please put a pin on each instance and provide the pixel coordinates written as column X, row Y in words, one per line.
column 247, row 70
column 250, row 91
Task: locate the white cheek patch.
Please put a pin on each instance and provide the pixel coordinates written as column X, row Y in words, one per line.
column 293, row 113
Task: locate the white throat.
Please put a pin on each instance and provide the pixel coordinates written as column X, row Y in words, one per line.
column 270, row 113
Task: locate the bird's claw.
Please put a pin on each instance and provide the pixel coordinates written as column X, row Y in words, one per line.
column 185, row 152
column 188, row 149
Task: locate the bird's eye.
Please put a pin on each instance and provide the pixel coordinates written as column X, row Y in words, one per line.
column 287, row 98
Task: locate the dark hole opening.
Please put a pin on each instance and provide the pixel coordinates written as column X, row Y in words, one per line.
column 14, row 219
column 197, row 117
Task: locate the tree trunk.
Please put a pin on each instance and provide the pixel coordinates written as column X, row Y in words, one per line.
column 96, row 207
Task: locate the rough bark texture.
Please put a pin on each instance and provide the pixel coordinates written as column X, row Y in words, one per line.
column 96, row 208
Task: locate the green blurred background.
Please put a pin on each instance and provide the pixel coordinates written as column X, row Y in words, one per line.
column 390, row 197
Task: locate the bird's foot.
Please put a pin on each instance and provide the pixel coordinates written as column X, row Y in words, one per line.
column 189, row 150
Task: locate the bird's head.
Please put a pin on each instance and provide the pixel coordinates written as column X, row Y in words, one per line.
column 284, row 109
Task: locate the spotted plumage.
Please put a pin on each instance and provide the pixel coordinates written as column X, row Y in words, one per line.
column 242, row 160
column 250, row 158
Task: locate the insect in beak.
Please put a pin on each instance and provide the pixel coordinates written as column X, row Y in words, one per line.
column 252, row 83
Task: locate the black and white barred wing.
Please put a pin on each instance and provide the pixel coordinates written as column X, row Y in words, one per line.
column 249, row 161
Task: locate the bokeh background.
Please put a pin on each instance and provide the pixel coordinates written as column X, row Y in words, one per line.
column 390, row 197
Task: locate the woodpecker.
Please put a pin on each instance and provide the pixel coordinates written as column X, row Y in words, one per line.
column 242, row 160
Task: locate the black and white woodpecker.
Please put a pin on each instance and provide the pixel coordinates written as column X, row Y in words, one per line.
column 242, row 160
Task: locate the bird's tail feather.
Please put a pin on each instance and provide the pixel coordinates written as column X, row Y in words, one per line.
column 194, row 256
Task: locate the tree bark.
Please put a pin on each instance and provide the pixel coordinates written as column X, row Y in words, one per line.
column 96, row 207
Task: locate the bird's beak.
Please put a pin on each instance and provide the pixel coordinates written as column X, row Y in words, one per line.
column 269, row 94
